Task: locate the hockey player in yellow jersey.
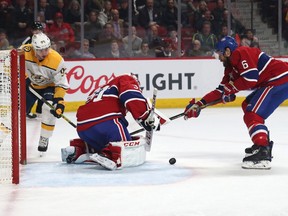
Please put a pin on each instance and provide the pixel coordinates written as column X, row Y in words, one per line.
column 45, row 68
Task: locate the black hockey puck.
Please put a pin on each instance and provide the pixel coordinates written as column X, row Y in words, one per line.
column 172, row 161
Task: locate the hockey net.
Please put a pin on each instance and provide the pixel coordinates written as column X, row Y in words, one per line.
column 12, row 115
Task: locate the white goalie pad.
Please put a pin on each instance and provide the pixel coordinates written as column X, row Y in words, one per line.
column 70, row 150
column 133, row 152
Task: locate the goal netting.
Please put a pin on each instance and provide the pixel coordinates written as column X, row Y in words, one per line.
column 12, row 115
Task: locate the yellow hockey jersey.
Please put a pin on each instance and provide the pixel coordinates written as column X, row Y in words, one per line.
column 48, row 72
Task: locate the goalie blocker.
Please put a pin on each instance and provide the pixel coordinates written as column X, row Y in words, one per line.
column 116, row 155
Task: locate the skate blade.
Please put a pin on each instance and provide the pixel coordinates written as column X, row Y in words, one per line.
column 264, row 164
column 41, row 154
column 104, row 162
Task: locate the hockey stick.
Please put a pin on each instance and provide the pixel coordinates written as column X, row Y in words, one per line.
column 50, row 105
column 149, row 134
column 179, row 115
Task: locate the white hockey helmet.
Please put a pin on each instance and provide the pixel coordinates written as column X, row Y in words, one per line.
column 40, row 41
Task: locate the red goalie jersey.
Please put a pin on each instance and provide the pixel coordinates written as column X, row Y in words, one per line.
column 250, row 69
column 111, row 101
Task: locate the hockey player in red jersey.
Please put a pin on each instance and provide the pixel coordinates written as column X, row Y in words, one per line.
column 101, row 124
column 248, row 68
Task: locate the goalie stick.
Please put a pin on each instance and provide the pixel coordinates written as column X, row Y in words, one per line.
column 180, row 115
column 149, row 134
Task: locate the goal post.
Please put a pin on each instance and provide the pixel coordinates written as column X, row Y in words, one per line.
column 12, row 115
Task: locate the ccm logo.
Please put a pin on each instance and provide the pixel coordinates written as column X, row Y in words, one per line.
column 131, row 144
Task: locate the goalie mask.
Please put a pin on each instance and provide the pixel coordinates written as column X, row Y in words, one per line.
column 40, row 41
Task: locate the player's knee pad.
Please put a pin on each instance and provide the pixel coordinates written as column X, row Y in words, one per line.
column 47, row 117
column 257, row 129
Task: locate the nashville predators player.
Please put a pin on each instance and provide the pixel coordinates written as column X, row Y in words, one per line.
column 45, row 68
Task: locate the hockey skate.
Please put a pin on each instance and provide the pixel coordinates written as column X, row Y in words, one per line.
column 259, row 158
column 105, row 162
column 43, row 144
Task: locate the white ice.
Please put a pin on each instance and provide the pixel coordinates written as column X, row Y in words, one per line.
column 207, row 179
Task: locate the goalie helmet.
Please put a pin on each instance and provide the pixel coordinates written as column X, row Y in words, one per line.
column 40, row 41
column 226, row 42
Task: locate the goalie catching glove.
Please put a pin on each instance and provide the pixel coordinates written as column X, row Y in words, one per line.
column 59, row 109
column 193, row 109
column 147, row 122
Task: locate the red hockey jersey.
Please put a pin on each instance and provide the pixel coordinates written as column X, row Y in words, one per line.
column 112, row 100
column 250, row 69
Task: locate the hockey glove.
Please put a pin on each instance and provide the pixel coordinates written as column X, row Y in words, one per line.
column 228, row 98
column 229, row 88
column 147, row 122
column 59, row 109
column 193, row 109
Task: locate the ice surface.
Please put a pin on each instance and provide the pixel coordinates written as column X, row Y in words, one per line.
column 207, row 179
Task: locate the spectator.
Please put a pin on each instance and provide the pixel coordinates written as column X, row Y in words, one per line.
column 145, row 51
column 105, row 38
column 77, row 53
column 187, row 13
column 94, row 5
column 60, row 8
column 149, row 15
column 115, row 51
column 153, row 38
column 250, row 39
column 224, row 32
column 106, row 14
column 4, row 43
column 48, row 10
column 207, row 38
column 170, row 14
column 41, row 19
column 135, row 42
column 23, row 17
column 92, row 28
column 236, row 25
column 206, row 17
column 199, row 13
column 173, row 37
column 73, row 16
column 195, row 49
column 218, row 11
column 6, row 17
column 118, row 25
column 123, row 11
column 61, row 31
column 166, row 50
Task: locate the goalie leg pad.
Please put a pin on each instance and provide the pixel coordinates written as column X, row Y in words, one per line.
column 75, row 153
column 133, row 152
column 109, row 157
column 103, row 161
